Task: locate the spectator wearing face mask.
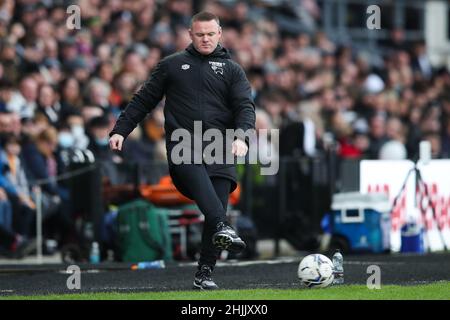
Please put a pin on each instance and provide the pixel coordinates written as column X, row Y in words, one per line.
column 68, row 148
column 66, row 140
column 76, row 125
column 98, row 129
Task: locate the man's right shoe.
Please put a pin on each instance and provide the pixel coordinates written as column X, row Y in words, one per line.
column 203, row 280
column 227, row 239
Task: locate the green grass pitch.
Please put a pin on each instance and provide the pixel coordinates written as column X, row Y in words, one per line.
column 435, row 291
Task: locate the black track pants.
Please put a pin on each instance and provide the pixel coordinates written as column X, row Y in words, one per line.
column 211, row 196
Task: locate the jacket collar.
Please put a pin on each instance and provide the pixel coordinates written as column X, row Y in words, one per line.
column 219, row 52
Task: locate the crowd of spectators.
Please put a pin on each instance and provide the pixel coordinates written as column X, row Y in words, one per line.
column 61, row 89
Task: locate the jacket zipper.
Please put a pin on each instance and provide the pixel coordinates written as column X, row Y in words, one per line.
column 202, row 85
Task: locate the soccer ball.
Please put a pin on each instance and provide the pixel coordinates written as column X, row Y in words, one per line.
column 316, row 271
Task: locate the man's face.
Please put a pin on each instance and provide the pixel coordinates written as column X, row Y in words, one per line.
column 46, row 96
column 6, row 94
column 6, row 123
column 13, row 148
column 100, row 132
column 29, row 89
column 205, row 36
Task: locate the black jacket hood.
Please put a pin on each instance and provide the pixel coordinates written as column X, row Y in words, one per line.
column 219, row 52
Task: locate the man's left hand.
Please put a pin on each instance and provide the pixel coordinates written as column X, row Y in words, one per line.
column 239, row 148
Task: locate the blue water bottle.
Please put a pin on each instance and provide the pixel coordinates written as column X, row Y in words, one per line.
column 158, row 264
column 94, row 256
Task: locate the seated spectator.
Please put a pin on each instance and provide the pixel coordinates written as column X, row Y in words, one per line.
column 43, row 165
column 48, row 104
column 298, row 139
column 395, row 130
column 71, row 97
column 90, row 112
column 20, row 198
column 9, row 58
column 446, row 140
column 5, row 125
column 98, row 93
column 436, row 147
column 145, row 142
column 421, row 62
column 24, row 101
column 377, row 135
column 98, row 131
column 10, row 123
column 41, row 159
column 6, row 91
column 76, row 123
column 5, row 212
column 12, row 244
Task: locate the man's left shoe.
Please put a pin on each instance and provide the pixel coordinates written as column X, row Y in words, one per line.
column 226, row 238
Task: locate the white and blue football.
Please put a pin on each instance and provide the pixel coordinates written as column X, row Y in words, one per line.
column 316, row 271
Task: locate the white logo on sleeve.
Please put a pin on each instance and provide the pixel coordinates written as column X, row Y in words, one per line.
column 185, row 66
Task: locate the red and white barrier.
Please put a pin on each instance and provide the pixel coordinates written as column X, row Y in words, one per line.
column 427, row 203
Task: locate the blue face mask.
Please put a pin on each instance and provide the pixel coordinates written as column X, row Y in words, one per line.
column 103, row 142
column 65, row 140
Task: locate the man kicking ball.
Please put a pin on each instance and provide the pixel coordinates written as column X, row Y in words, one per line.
column 203, row 84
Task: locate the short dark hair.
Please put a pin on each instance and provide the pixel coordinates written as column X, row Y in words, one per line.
column 99, row 122
column 204, row 16
column 6, row 84
column 10, row 138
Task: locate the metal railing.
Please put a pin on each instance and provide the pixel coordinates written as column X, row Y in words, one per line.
column 37, row 189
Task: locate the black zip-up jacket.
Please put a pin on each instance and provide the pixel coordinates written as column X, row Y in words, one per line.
column 212, row 89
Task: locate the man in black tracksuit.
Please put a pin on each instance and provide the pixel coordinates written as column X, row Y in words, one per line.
column 201, row 83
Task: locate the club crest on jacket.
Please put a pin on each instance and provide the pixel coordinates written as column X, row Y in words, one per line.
column 217, row 67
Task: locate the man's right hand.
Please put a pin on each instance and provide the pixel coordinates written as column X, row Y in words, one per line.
column 115, row 142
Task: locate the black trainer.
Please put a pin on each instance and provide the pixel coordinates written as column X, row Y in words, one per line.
column 203, row 280
column 227, row 239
